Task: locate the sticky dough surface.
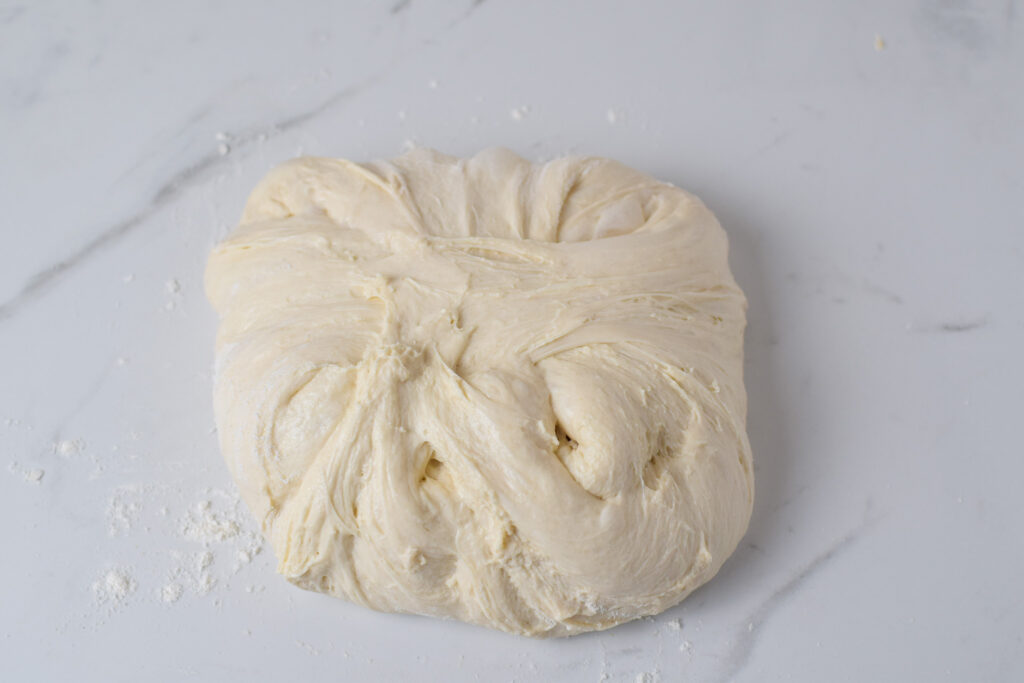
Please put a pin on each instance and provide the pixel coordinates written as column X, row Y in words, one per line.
column 485, row 389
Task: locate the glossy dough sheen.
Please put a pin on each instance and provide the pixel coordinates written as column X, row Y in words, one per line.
column 485, row 389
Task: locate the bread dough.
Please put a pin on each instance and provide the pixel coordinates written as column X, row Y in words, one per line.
column 485, row 389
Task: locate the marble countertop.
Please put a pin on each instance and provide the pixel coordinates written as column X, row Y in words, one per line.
column 864, row 157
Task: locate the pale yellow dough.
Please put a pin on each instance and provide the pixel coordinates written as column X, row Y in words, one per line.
column 485, row 389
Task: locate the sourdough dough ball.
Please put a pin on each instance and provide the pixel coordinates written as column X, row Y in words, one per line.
column 485, row 389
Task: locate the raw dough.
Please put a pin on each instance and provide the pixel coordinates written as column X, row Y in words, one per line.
column 485, row 389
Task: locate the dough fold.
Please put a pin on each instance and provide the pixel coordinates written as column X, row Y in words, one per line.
column 485, row 389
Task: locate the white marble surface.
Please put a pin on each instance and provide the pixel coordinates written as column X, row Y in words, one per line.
column 875, row 203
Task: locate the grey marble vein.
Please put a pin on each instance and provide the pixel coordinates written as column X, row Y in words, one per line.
column 192, row 120
column 887, row 294
column 473, row 7
column 46, row 278
column 750, row 628
column 91, row 391
column 965, row 326
column 9, row 15
column 38, row 284
column 950, row 326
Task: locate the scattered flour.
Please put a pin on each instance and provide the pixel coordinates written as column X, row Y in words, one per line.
column 204, row 560
column 69, row 447
column 34, row 476
column 217, row 521
column 113, row 587
column 519, row 113
column 675, row 625
column 123, row 508
column 207, row 526
column 171, row 592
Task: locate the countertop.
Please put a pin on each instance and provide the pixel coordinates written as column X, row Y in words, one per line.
column 865, row 159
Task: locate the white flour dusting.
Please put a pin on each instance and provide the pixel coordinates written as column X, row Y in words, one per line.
column 123, row 508
column 33, row 476
column 204, row 560
column 171, row 592
column 206, row 526
column 69, row 447
column 210, row 540
column 173, row 288
column 520, row 113
column 113, row 587
column 648, row 677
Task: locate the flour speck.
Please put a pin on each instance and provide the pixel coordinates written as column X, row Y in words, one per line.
column 114, row 587
column 69, row 447
column 519, row 113
column 171, row 592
